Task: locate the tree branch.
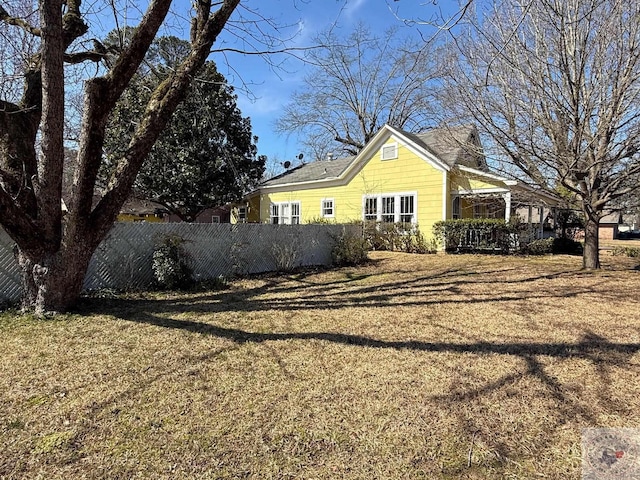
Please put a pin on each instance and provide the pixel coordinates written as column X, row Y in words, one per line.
column 163, row 103
column 18, row 22
column 79, row 57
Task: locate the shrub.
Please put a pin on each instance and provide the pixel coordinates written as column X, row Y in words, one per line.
column 382, row 236
column 286, row 256
column 567, row 246
column 415, row 242
column 545, row 246
column 633, row 252
column 171, row 265
column 349, row 250
column 396, row 237
column 476, row 234
column 570, row 223
column 542, row 246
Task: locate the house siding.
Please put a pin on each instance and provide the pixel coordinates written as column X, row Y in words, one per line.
column 407, row 173
column 466, row 182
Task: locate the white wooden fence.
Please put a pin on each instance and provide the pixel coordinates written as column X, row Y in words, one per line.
column 123, row 259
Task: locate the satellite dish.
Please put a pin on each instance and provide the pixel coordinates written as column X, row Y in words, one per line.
column 286, row 164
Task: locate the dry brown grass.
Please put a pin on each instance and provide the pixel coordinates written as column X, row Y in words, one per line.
column 399, row 369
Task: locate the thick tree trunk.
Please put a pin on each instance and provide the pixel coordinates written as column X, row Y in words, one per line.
column 54, row 252
column 591, row 255
column 52, row 282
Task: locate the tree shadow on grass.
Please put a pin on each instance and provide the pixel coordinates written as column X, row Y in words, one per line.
column 564, row 408
column 445, row 288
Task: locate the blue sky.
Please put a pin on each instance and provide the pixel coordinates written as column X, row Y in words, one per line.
column 271, row 89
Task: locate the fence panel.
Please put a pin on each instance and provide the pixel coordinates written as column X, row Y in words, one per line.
column 124, row 258
column 10, row 285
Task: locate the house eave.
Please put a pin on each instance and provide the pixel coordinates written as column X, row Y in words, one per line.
column 489, row 175
column 309, row 184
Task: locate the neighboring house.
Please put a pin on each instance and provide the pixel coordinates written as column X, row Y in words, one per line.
column 140, row 210
column 414, row 179
column 609, row 225
column 220, row 214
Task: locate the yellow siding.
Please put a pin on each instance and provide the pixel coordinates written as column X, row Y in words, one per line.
column 406, row 174
column 253, row 211
column 461, row 181
column 469, row 182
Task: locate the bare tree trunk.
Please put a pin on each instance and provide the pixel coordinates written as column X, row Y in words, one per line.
column 53, row 281
column 54, row 251
column 591, row 256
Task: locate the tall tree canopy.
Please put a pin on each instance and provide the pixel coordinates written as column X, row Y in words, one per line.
column 555, row 85
column 54, row 249
column 205, row 157
column 357, row 85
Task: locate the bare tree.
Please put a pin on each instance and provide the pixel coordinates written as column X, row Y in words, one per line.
column 54, row 249
column 359, row 84
column 555, row 84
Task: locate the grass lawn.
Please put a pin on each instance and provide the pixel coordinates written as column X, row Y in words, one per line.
column 409, row 367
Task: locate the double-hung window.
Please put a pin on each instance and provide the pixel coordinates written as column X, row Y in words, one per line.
column 285, row 213
column 371, row 208
column 327, row 208
column 391, row 208
column 242, row 214
column 456, row 214
column 388, row 210
column 407, row 209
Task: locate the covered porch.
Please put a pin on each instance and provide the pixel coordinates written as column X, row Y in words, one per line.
column 485, row 195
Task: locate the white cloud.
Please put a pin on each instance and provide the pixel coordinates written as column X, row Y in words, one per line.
column 352, row 6
column 263, row 104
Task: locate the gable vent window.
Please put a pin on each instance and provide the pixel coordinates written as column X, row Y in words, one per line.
column 389, row 152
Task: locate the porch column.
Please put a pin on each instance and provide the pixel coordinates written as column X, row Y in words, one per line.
column 507, row 206
column 541, row 232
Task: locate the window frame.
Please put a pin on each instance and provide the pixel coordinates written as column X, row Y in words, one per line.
column 381, row 203
column 394, row 156
column 242, row 214
column 478, row 211
column 287, row 213
column 324, row 208
column 456, row 208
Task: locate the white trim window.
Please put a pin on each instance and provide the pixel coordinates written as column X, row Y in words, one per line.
column 285, row 213
column 242, row 214
column 455, row 209
column 389, row 151
column 327, row 208
column 370, row 209
column 391, row 208
column 407, row 209
column 215, row 218
column 478, row 211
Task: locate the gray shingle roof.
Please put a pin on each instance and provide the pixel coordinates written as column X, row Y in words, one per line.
column 311, row 171
column 452, row 145
column 445, row 143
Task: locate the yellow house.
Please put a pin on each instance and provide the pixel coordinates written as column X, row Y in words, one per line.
column 399, row 177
